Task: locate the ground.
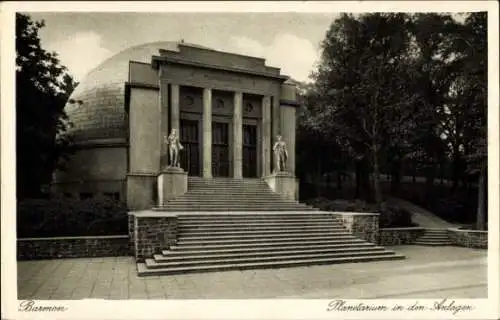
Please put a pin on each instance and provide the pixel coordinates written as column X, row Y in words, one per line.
column 427, row 272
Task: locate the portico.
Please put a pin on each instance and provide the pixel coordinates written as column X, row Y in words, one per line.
column 226, row 115
column 227, row 110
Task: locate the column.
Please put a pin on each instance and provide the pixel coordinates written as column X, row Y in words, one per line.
column 287, row 128
column 207, row 133
column 163, row 122
column 238, row 136
column 174, row 107
column 265, row 153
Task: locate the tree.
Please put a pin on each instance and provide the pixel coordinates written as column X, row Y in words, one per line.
column 42, row 88
column 469, row 105
column 364, row 86
column 430, row 33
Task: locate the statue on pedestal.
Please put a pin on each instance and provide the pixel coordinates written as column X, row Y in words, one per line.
column 280, row 154
column 174, row 146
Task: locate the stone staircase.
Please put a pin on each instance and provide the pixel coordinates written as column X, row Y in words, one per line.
column 237, row 240
column 434, row 237
column 228, row 194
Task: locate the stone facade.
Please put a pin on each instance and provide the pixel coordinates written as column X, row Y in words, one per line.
column 172, row 183
column 399, row 236
column 124, row 108
column 153, row 232
column 283, row 183
column 362, row 225
column 72, row 247
column 468, row 238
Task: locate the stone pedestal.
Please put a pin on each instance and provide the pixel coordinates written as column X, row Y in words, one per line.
column 172, row 182
column 283, row 183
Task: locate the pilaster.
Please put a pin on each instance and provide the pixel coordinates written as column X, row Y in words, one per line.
column 174, row 107
column 164, row 117
column 265, row 143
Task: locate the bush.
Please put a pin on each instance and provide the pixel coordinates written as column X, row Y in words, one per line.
column 390, row 215
column 393, row 216
column 65, row 217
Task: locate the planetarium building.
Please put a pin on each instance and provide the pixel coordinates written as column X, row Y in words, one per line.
column 226, row 107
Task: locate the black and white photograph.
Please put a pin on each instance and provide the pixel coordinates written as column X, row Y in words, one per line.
column 341, row 155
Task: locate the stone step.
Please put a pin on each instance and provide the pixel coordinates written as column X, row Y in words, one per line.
column 432, row 237
column 184, row 208
column 264, row 204
column 233, row 189
column 284, row 215
column 229, row 185
column 217, row 195
column 143, row 270
column 257, row 223
column 176, row 250
column 429, row 243
column 151, row 263
column 252, row 232
column 201, row 245
column 228, row 240
column 227, row 181
column 231, row 197
column 161, row 260
column 176, row 256
column 262, row 235
column 435, row 232
column 234, row 201
column 254, row 227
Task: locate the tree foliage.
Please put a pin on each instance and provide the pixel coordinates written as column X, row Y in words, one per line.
column 42, row 87
column 396, row 90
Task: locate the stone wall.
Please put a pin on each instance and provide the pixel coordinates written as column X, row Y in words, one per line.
column 399, row 236
column 153, row 232
column 131, row 238
column 72, row 247
column 361, row 225
column 468, row 238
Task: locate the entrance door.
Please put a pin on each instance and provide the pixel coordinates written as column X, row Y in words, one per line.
column 190, row 156
column 249, row 150
column 220, row 149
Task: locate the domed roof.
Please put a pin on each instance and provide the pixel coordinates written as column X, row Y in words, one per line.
column 96, row 107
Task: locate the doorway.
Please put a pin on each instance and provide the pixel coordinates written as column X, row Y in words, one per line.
column 190, row 156
column 220, row 149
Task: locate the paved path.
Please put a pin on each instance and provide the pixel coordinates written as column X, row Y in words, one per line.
column 421, row 216
column 428, row 272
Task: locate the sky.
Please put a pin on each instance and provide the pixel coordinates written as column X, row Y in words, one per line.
column 289, row 41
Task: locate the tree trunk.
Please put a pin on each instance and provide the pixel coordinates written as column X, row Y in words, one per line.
column 376, row 179
column 457, row 168
column 362, row 180
column 481, row 212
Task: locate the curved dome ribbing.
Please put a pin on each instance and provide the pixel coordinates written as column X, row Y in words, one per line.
column 96, row 107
